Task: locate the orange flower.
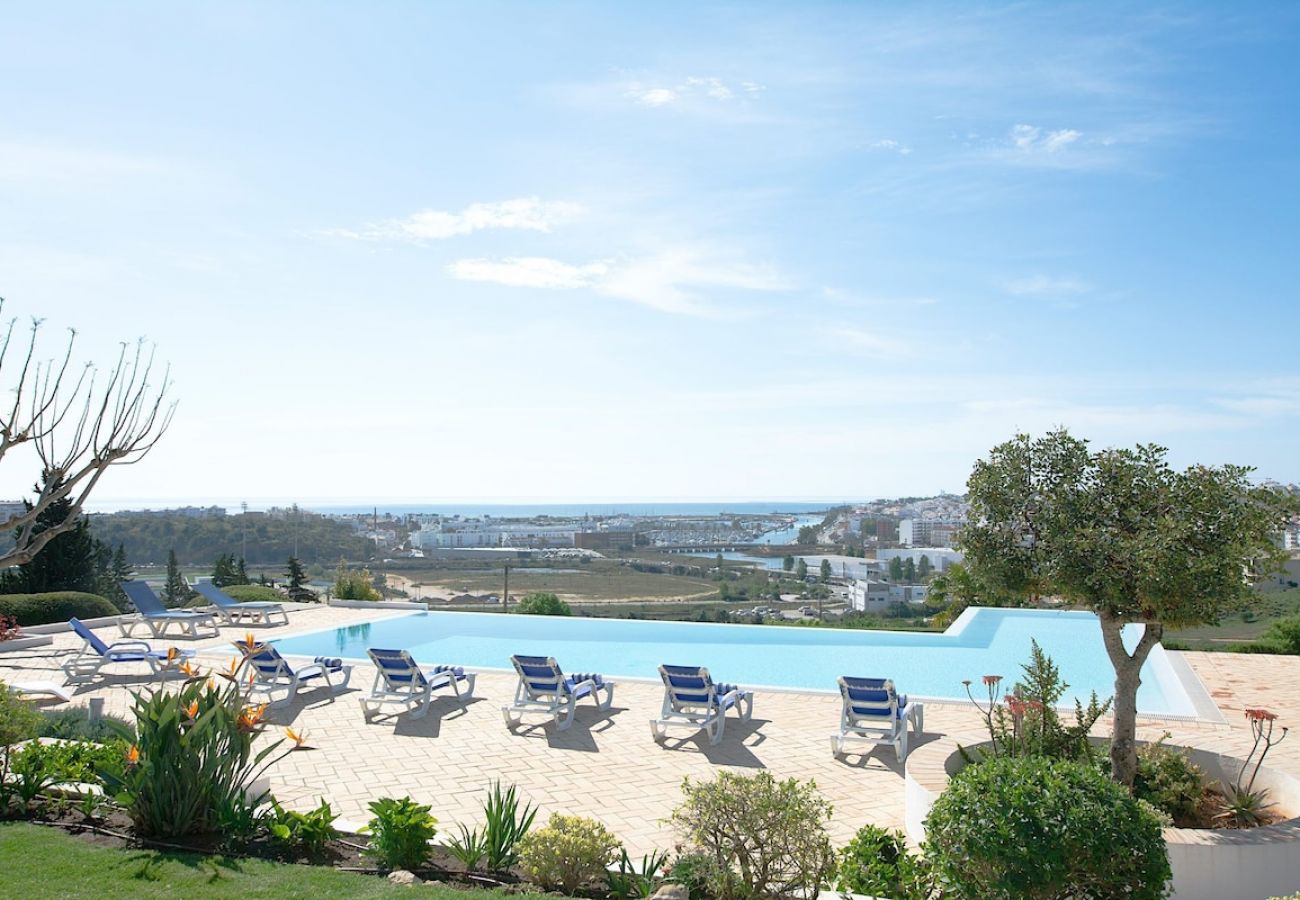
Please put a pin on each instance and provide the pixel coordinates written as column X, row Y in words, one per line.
column 193, row 709
column 298, row 738
column 1260, row 715
column 231, row 670
column 187, row 669
column 991, row 680
column 132, row 755
column 172, row 653
column 251, row 717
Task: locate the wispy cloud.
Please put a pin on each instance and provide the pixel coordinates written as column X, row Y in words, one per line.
column 1032, row 139
column 891, row 145
column 674, row 281
column 867, row 342
column 1046, row 286
column 694, row 87
column 521, row 213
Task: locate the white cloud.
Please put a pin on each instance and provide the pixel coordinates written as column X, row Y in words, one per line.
column 866, row 341
column 1045, row 285
column 890, row 144
column 521, row 213
column 527, row 271
column 1032, row 139
column 669, row 281
column 692, row 87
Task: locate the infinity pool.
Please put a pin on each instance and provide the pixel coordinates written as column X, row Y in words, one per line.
column 981, row 642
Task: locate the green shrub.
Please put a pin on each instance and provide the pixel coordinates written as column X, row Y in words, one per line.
column 543, row 604
column 507, row 823
column 74, row 725
column 19, row 721
column 1284, row 634
column 762, row 837
column 301, row 834
column 569, row 852
column 253, row 593
column 1169, row 780
column 692, row 870
column 354, row 584
column 400, row 833
column 57, row 606
column 631, row 881
column 72, row 761
column 878, row 862
column 192, row 762
column 1033, row 827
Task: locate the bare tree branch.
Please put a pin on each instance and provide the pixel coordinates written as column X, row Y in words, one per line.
column 77, row 429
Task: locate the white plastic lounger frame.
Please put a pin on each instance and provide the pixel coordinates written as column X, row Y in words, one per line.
column 94, row 654
column 232, row 612
column 272, row 672
column 157, row 617
column 399, row 680
column 871, row 710
column 544, row 688
column 693, row 700
column 40, row 689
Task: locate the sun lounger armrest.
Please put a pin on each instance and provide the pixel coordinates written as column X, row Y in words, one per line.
column 129, row 647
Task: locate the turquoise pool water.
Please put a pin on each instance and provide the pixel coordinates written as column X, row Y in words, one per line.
column 981, row 642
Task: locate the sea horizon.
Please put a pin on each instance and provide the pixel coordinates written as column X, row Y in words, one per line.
column 561, row 508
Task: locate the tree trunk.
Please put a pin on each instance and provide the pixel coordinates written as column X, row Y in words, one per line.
column 1128, row 668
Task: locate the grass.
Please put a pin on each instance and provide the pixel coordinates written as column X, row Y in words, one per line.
column 600, row 581
column 1268, row 608
column 39, row 861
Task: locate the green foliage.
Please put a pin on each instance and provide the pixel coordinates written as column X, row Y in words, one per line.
column 28, row 776
column 825, row 572
column 354, row 584
column 692, row 871
column 506, row 825
column 1033, row 827
column 543, row 604
column 400, row 833
column 1169, row 780
column 896, row 568
column 568, row 852
column 227, row 571
column 877, row 862
column 73, row 724
column 176, row 592
column 253, row 593
column 192, row 762
column 787, row 562
column 762, row 837
column 1244, row 807
column 631, row 881
column 1284, row 634
column 468, row 847
column 72, row 761
column 66, row 563
column 301, row 834
column 271, row 537
column 924, row 567
column 298, row 579
column 807, row 534
column 909, row 570
column 801, row 569
column 58, row 606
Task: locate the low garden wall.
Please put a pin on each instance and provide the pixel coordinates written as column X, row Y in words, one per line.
column 1207, row 864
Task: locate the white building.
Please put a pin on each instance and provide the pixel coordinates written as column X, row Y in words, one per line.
column 872, row 596
column 928, row 532
column 940, row 557
column 481, row 534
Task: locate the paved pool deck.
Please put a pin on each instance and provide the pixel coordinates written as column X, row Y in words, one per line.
column 607, row 766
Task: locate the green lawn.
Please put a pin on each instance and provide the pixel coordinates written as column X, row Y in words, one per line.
column 1267, row 608
column 37, row 861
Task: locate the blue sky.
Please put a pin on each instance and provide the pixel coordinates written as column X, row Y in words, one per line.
column 533, row 251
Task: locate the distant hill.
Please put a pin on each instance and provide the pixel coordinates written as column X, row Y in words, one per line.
column 269, row 537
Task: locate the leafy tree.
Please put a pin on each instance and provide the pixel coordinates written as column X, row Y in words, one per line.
column 175, row 591
column 788, row 562
column 721, row 565
column 1125, row 535
column 225, row 573
column 801, row 569
column 959, row 587
column 895, row 569
column 67, row 562
column 924, row 568
column 807, row 535
column 241, row 573
column 826, row 570
column 298, row 581
column 354, row 584
column 909, row 570
column 541, row 603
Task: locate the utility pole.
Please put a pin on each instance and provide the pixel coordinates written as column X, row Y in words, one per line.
column 505, row 594
column 243, row 532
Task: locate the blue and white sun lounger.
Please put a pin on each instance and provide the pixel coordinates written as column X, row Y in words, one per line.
column 691, row 698
column 95, row 654
column 272, row 672
column 232, row 612
column 157, row 616
column 873, row 711
column 544, row 688
column 398, row 680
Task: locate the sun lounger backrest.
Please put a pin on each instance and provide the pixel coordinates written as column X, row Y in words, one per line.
column 268, row 662
column 869, row 696
column 397, row 667
column 687, row 684
column 88, row 636
column 541, row 674
column 143, row 597
column 214, row 594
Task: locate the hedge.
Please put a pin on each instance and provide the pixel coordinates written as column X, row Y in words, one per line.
column 56, row 606
column 252, row 593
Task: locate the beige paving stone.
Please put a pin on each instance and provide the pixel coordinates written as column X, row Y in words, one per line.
column 607, row 766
